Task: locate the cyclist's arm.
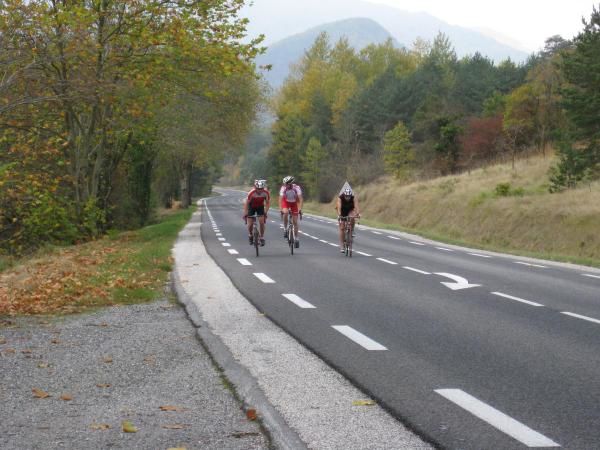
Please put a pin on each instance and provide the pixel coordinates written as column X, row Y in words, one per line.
column 300, row 202
column 356, row 207
column 338, row 206
column 246, row 207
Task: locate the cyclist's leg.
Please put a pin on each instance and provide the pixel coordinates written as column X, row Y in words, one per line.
column 295, row 220
column 341, row 228
column 284, row 210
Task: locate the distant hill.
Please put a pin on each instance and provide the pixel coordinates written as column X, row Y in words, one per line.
column 359, row 32
column 279, row 19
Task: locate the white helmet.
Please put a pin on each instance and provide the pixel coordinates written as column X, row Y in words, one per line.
column 348, row 192
column 259, row 184
column 289, row 179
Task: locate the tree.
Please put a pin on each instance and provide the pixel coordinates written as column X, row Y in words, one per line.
column 312, row 161
column 481, row 140
column 398, row 154
column 448, row 144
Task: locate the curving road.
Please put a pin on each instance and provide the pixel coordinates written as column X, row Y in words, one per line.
column 474, row 350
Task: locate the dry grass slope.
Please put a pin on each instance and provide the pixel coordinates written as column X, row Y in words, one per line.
column 496, row 208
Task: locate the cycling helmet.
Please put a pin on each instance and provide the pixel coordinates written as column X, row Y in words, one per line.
column 348, row 192
column 259, row 184
column 289, row 179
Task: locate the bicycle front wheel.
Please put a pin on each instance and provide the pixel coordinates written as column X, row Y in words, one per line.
column 256, row 237
column 291, row 239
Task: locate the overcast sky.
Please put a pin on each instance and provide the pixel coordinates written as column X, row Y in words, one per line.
column 528, row 22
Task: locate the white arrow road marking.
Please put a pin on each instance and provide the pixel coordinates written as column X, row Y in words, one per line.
column 244, row 262
column 298, row 301
column 459, row 282
column 581, row 317
column 358, row 337
column 591, row 276
column 232, row 251
column 416, row 270
column 262, row 277
column 497, row 419
column 500, row 294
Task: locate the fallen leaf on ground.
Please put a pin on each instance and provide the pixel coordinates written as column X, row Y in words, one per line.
column 175, row 426
column 2, row 341
column 99, row 426
column 251, row 414
column 128, row 427
column 9, row 350
column 55, row 341
column 171, row 408
column 43, row 365
column 107, row 359
column 363, row 403
column 26, row 351
column 38, row 393
column 150, row 359
column 177, row 448
column 66, row 397
column 103, row 385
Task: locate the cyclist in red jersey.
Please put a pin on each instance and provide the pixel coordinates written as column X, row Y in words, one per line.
column 290, row 198
column 257, row 202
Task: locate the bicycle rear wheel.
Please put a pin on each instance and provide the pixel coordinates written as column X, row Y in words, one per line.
column 291, row 239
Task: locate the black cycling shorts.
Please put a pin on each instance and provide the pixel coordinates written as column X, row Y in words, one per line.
column 259, row 210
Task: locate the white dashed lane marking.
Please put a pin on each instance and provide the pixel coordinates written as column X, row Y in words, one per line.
column 444, row 249
column 589, row 275
column 358, row 337
column 225, row 244
column 529, row 264
column 387, row 261
column 578, row 316
column 298, row 301
column 480, row 255
column 395, row 238
column 233, row 252
column 362, row 253
column 262, row 277
column 416, row 243
column 510, row 297
column 416, row 270
column 244, row 262
column 497, row 419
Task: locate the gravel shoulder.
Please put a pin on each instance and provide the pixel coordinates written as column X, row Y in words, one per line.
column 118, row 364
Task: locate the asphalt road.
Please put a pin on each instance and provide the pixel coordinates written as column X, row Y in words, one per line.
column 474, row 350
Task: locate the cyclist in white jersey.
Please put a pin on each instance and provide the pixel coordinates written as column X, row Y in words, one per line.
column 290, row 198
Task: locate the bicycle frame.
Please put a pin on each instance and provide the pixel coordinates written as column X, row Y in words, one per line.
column 255, row 231
column 348, row 222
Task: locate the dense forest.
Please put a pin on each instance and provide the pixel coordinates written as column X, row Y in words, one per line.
column 110, row 108
column 421, row 112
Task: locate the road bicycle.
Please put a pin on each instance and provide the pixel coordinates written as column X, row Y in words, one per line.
column 290, row 232
column 348, row 236
column 255, row 231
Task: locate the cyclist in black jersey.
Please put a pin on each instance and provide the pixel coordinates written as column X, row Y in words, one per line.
column 346, row 206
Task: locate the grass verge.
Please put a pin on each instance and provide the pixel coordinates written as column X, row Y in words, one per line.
column 120, row 269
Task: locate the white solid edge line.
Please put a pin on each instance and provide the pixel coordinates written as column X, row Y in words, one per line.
column 262, row 277
column 332, row 244
column 244, row 262
column 416, row 270
column 233, row 252
column 497, row 419
column 500, row 294
column 589, row 275
column 530, row 265
column 359, row 338
column 324, row 242
column 387, row 261
column 579, row 316
column 298, row 301
column 362, row 253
